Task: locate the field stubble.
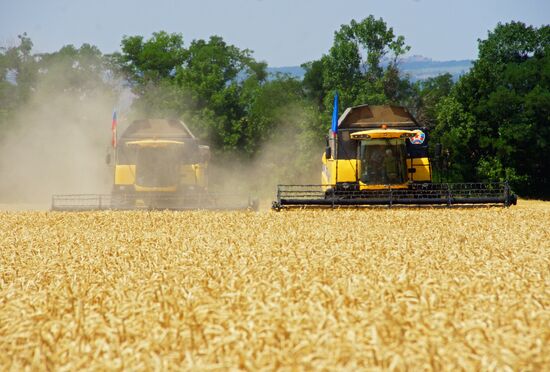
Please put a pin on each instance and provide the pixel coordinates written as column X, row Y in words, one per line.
column 396, row 289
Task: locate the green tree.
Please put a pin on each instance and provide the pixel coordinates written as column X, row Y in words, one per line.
column 18, row 75
column 73, row 70
column 362, row 65
column 504, row 100
column 221, row 80
column 459, row 139
column 353, row 64
column 154, row 59
column 428, row 94
column 210, row 84
column 313, row 83
column 274, row 108
column 150, row 67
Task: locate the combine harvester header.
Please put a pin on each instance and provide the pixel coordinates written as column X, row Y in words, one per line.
column 378, row 155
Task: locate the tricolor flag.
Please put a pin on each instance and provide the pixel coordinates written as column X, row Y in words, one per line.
column 334, row 127
column 113, row 130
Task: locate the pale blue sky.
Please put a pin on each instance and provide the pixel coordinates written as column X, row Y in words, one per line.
column 281, row 32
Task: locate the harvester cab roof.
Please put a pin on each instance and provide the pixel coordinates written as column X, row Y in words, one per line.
column 366, row 116
column 156, row 129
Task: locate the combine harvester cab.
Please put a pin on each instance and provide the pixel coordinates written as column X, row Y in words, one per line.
column 378, row 155
column 158, row 164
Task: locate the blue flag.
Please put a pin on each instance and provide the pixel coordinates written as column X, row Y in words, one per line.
column 334, row 127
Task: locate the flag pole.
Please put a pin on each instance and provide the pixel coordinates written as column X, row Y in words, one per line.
column 334, row 129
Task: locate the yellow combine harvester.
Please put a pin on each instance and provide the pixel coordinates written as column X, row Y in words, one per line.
column 158, row 164
column 378, row 155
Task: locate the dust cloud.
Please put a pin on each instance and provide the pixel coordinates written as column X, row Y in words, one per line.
column 56, row 144
column 291, row 155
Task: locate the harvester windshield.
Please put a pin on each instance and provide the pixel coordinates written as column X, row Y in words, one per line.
column 383, row 161
column 157, row 166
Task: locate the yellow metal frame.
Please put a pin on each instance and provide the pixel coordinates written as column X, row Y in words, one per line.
column 139, row 188
column 383, row 133
column 154, row 143
column 125, row 174
column 189, row 174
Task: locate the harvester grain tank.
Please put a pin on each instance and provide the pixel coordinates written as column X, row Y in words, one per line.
column 158, row 164
column 378, row 155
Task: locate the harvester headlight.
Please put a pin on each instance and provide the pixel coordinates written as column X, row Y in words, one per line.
column 361, row 136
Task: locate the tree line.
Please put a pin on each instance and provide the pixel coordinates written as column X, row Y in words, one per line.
column 494, row 122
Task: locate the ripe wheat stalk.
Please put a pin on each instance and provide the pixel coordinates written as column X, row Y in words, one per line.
column 392, row 289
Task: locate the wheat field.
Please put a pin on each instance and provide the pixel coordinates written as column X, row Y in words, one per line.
column 398, row 289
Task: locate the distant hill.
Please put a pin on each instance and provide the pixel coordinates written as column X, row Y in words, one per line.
column 417, row 67
column 420, row 68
